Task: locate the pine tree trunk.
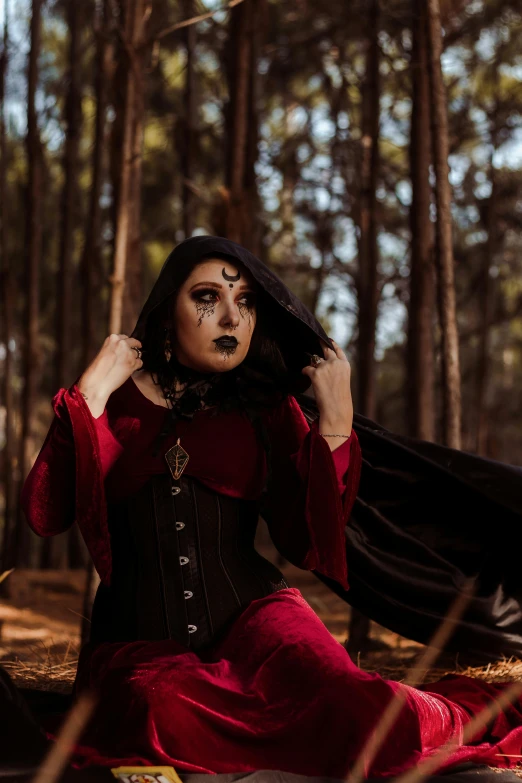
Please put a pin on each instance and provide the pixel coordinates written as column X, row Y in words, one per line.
column 367, row 284
column 189, row 124
column 240, row 224
column 239, row 80
column 443, row 237
column 69, row 199
column 368, row 294
column 420, row 362
column 253, row 232
column 127, row 273
column 91, row 262
column 35, row 196
column 56, row 552
column 7, row 316
column 485, row 315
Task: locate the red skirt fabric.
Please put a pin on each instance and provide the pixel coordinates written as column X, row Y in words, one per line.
column 277, row 693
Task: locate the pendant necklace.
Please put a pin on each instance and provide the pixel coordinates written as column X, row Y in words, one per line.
column 177, row 459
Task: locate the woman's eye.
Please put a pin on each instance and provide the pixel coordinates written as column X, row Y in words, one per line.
column 205, row 296
column 248, row 299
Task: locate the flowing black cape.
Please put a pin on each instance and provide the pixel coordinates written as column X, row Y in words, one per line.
column 426, row 517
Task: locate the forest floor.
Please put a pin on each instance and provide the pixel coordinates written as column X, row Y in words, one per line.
column 40, row 632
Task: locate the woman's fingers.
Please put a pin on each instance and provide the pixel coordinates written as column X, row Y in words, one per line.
column 339, row 352
column 330, row 354
column 132, row 342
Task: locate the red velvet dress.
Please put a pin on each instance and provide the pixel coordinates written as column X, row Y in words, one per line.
column 277, row 692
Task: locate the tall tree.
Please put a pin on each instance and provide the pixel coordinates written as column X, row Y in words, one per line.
column 240, row 195
column 35, row 197
column 486, row 313
column 91, row 261
column 450, row 363
column 127, row 274
column 367, row 281
column 189, row 123
column 69, row 198
column 65, row 551
column 421, row 311
column 7, row 310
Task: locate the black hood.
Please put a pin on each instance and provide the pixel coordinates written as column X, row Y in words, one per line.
column 296, row 330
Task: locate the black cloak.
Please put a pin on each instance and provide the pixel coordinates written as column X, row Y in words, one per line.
column 426, row 517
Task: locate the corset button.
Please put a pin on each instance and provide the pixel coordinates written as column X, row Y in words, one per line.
column 192, row 628
column 188, row 594
column 183, row 560
column 175, row 490
column 180, row 525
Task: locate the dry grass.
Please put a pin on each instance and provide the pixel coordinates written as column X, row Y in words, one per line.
column 52, row 675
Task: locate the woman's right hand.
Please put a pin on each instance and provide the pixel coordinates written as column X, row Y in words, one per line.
column 115, row 362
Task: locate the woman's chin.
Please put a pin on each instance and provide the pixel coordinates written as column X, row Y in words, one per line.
column 224, row 363
column 218, row 363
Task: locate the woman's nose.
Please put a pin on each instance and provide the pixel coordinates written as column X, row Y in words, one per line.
column 230, row 317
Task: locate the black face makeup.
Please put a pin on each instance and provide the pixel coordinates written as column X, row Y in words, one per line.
column 205, row 303
column 226, row 345
column 230, row 278
column 205, row 300
column 214, row 317
column 247, row 307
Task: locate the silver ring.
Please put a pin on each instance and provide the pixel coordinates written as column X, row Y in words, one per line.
column 138, row 351
column 315, row 360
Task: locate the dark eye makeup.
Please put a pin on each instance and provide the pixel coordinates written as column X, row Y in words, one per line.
column 203, row 294
column 247, row 298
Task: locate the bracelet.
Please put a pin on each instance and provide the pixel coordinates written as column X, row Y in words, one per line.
column 334, row 436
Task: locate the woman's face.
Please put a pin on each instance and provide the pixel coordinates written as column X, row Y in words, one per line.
column 214, row 316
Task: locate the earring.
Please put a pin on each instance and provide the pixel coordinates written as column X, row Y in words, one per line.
column 168, row 346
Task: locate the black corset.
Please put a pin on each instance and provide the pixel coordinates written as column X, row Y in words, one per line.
column 184, row 565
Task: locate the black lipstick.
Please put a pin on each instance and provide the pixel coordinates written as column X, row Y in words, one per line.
column 226, row 344
column 227, row 341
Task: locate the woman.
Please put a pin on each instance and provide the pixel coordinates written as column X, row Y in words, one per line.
column 164, row 452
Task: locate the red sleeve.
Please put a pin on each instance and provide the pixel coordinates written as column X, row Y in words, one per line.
column 66, row 481
column 109, row 447
column 311, row 493
column 341, row 461
column 48, row 491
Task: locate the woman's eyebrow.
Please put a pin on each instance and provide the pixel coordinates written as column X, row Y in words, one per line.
column 207, row 283
column 218, row 285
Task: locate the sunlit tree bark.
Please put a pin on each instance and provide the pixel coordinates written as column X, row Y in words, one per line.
column 126, row 280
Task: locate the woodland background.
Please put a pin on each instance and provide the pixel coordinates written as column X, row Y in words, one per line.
column 369, row 151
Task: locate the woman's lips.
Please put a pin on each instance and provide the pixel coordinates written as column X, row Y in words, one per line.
column 226, row 342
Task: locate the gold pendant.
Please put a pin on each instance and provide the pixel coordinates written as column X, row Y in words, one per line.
column 177, row 459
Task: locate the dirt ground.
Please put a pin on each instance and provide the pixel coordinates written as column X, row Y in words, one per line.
column 40, row 631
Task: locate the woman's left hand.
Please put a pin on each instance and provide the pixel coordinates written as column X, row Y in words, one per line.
column 331, row 385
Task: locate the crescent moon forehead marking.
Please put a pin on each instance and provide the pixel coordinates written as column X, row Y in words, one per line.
column 230, row 278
